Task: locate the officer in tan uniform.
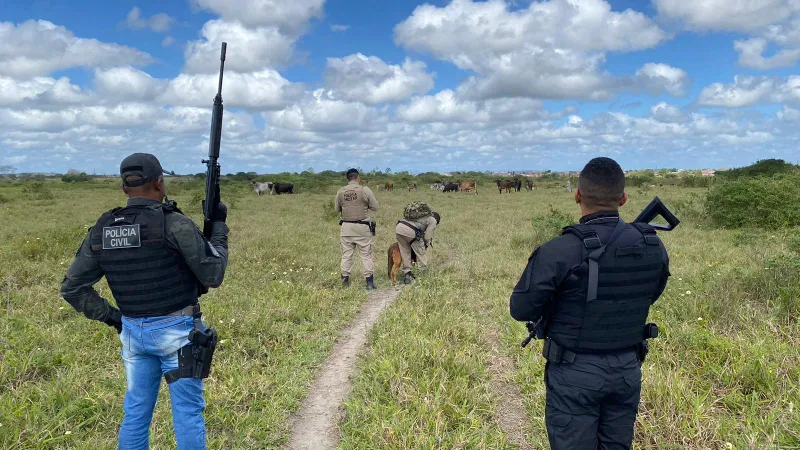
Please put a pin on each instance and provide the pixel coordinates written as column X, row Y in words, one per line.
column 414, row 235
column 355, row 203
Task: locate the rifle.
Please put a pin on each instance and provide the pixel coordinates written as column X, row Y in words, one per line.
column 654, row 209
column 212, row 166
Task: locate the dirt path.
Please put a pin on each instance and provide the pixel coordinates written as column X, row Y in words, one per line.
column 511, row 414
column 315, row 425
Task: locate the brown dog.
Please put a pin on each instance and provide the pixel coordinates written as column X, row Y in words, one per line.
column 396, row 260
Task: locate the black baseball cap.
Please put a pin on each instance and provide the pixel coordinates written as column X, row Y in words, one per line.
column 351, row 172
column 142, row 165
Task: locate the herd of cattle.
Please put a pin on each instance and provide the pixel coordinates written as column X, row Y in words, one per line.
column 276, row 188
column 460, row 186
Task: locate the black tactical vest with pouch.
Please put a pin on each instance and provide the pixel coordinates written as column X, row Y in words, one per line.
column 147, row 276
column 602, row 306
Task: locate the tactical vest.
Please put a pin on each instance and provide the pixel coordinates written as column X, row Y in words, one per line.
column 146, row 275
column 607, row 311
column 354, row 205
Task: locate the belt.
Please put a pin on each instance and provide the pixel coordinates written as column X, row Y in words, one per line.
column 188, row 311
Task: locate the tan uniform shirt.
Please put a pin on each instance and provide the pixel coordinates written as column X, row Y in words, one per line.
column 358, row 203
column 427, row 225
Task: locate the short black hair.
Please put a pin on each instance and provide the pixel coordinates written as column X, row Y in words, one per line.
column 352, row 174
column 602, row 183
column 437, row 217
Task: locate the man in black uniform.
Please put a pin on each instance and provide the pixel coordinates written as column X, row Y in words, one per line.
column 155, row 260
column 590, row 290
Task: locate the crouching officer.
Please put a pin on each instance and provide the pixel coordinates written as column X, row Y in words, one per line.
column 154, row 259
column 414, row 235
column 356, row 203
column 590, row 291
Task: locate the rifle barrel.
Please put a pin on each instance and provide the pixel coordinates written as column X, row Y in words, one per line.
column 221, row 67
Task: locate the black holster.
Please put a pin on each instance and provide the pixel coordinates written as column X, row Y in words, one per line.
column 643, row 348
column 194, row 359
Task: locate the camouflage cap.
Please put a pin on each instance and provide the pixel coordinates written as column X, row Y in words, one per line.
column 416, row 211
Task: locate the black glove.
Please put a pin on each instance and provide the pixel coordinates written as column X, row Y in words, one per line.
column 114, row 323
column 219, row 214
column 114, row 320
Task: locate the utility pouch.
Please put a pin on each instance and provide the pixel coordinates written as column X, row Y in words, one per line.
column 372, row 227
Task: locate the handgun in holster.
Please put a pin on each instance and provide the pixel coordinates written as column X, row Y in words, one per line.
column 194, row 359
column 650, row 332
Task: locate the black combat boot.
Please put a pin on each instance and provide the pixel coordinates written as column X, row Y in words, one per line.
column 409, row 278
column 370, row 283
column 345, row 281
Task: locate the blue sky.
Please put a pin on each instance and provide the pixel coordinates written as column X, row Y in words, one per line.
column 418, row 86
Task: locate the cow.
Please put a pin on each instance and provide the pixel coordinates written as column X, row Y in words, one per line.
column 516, row 184
column 468, row 186
column 260, row 188
column 529, row 185
column 450, row 187
column 389, row 186
column 503, row 185
column 438, row 186
column 283, row 188
column 412, row 186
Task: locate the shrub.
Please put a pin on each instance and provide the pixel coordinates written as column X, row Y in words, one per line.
column 763, row 167
column 755, row 202
column 73, row 176
column 37, row 190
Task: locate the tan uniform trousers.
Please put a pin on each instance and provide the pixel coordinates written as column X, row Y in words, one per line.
column 356, row 235
column 406, row 246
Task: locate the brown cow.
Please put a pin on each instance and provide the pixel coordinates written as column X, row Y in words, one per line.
column 529, row 185
column 503, row 185
column 467, row 186
column 389, row 186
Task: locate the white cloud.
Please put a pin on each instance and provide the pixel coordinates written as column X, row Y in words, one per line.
column 372, row 81
column 748, row 91
column 265, row 89
column 450, row 107
column 728, row 15
column 291, row 17
column 765, row 21
column 656, row 78
column 745, row 91
column 666, row 113
column 168, row 41
column 338, row 28
column 127, row 83
column 249, row 49
column 158, row 23
column 546, row 50
column 40, row 90
column 321, row 112
column 35, row 48
column 751, row 55
column 788, row 114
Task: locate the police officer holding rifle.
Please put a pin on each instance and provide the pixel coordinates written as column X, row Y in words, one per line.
column 587, row 294
column 157, row 264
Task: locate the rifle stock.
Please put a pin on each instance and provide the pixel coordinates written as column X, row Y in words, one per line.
column 654, row 209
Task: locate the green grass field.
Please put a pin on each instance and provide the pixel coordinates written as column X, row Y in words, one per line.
column 723, row 374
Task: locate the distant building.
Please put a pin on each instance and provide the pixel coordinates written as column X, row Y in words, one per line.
column 708, row 172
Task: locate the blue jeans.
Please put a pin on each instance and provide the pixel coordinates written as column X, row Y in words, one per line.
column 149, row 349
